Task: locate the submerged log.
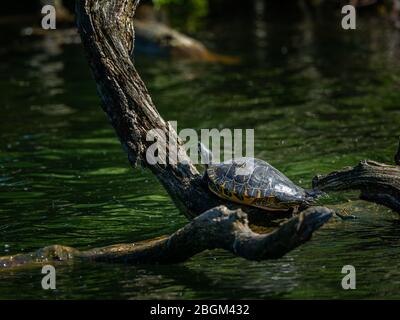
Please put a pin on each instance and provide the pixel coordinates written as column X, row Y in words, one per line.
column 378, row 182
column 154, row 36
column 63, row 15
column 395, row 15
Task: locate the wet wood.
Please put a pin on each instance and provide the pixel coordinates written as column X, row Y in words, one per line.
column 153, row 37
column 158, row 37
column 108, row 44
column 218, row 228
column 378, row 182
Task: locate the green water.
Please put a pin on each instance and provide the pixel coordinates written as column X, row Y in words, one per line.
column 319, row 98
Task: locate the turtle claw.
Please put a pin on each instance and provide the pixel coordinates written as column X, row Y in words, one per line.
column 345, row 216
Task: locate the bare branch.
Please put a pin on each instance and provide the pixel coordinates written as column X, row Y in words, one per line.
column 218, row 228
column 377, row 182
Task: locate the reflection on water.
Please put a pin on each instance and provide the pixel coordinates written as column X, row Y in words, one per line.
column 319, row 99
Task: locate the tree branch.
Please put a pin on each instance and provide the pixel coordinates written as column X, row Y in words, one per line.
column 106, row 29
column 218, row 228
column 377, row 182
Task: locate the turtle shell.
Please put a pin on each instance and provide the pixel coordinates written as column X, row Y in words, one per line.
column 254, row 182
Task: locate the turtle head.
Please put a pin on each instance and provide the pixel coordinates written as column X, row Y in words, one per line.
column 205, row 154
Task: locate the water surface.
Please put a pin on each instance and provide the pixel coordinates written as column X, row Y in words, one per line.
column 318, row 98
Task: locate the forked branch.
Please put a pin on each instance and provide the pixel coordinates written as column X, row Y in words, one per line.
column 218, row 228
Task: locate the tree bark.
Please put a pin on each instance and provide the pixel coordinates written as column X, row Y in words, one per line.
column 378, row 182
column 106, row 29
column 217, row 228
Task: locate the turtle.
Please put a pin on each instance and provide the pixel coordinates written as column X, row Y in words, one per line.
column 256, row 183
